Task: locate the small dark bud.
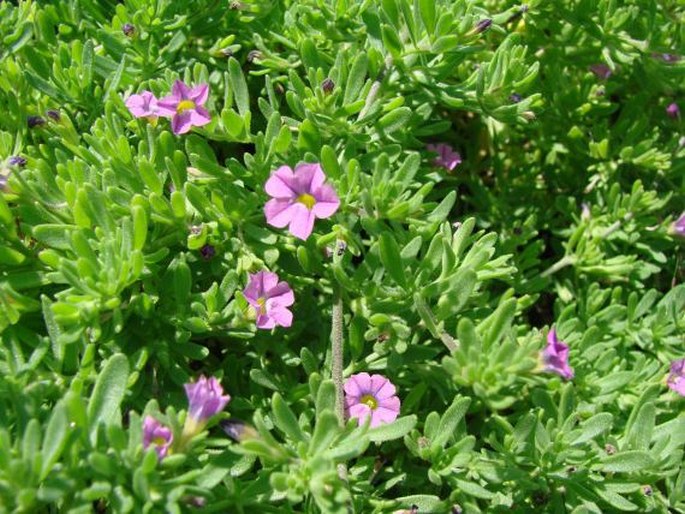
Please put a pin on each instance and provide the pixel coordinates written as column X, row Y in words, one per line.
column 196, row 230
column 128, row 30
column 483, row 25
column 278, row 88
column 414, row 509
column 673, row 111
column 235, row 6
column 515, row 98
column 341, row 247
column 254, row 55
column 647, row 490
column 35, row 121
column 571, row 469
column 523, row 9
column 456, row 509
column 207, row 252
column 17, row 160
column 327, row 85
column 610, row 449
column 53, row 114
column 226, row 52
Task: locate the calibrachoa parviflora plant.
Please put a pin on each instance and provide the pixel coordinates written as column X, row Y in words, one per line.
column 375, row 221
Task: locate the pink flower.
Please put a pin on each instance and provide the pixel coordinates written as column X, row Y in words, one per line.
column 676, row 378
column 184, row 105
column 555, row 356
column 270, row 299
column 601, row 71
column 144, row 105
column 371, row 395
column 205, row 398
column 298, row 198
column 447, row 158
column 158, row 435
column 673, row 110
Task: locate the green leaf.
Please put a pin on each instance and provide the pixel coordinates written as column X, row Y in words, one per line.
column 108, row 393
column 325, row 396
column 391, row 258
column 395, row 120
column 356, row 78
column 427, row 10
column 327, row 428
column 285, row 419
column 640, row 432
column 55, row 438
column 390, row 431
column 626, row 462
column 239, row 86
column 592, row 427
column 449, row 421
column 139, row 227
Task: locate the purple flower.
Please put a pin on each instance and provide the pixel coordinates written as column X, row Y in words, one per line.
column 157, row 434
column 35, row 121
column 676, row 378
column 205, row 398
column 601, row 71
column 53, row 114
column 673, row 110
column 207, row 252
column 555, row 356
column 678, row 227
column 128, row 29
column 371, row 395
column 483, row 25
column 185, row 106
column 144, row 105
column 298, row 198
column 270, row 299
column 447, row 158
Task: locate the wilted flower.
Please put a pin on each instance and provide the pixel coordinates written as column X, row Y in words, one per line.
column 555, row 356
column 676, row 378
column 185, row 106
column 673, row 110
column 515, row 98
column 270, row 299
column 35, row 121
column 158, row 435
column 371, row 396
column 483, row 25
column 17, row 160
column 327, row 85
column 207, row 251
column 298, row 198
column 447, row 158
column 205, row 398
column 144, row 105
column 601, row 71
column 238, row 430
column 128, row 29
column 678, row 226
column 53, row 114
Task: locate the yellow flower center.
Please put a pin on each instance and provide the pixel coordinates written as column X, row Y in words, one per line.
column 370, row 401
column 159, row 441
column 185, row 105
column 307, row 200
column 261, row 301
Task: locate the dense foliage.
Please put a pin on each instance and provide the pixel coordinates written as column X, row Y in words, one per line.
column 130, row 243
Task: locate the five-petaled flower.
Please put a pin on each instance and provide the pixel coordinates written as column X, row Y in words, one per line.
column 154, row 433
column 185, row 106
column 270, row 300
column 676, row 378
column 144, row 105
column 555, row 356
column 371, row 396
column 447, row 158
column 298, row 198
column 205, row 398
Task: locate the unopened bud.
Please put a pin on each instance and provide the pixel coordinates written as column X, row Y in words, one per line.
column 327, row 85
column 238, row 430
column 17, row 160
column 207, row 251
column 53, row 114
column 254, row 55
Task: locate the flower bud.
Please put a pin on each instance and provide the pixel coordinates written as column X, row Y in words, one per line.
column 53, row 114
column 327, row 85
column 17, row 160
column 128, row 29
column 483, row 25
column 35, row 121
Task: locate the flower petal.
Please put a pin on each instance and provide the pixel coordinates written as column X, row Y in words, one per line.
column 279, row 213
column 254, row 290
column 280, row 295
column 180, row 90
column 280, row 184
column 360, row 411
column 386, row 391
column 281, row 316
column 199, row 117
column 382, row 416
column 199, row 94
column 309, row 176
column 352, row 390
column 180, row 123
column 265, row 321
column 363, row 381
column 302, row 222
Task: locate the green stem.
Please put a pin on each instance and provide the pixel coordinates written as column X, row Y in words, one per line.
column 560, row 264
column 337, row 339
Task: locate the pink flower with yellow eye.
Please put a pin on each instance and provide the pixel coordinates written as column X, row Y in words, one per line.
column 371, row 396
column 298, row 198
column 185, row 106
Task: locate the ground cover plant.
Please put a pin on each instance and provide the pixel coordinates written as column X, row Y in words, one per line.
column 342, row 256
